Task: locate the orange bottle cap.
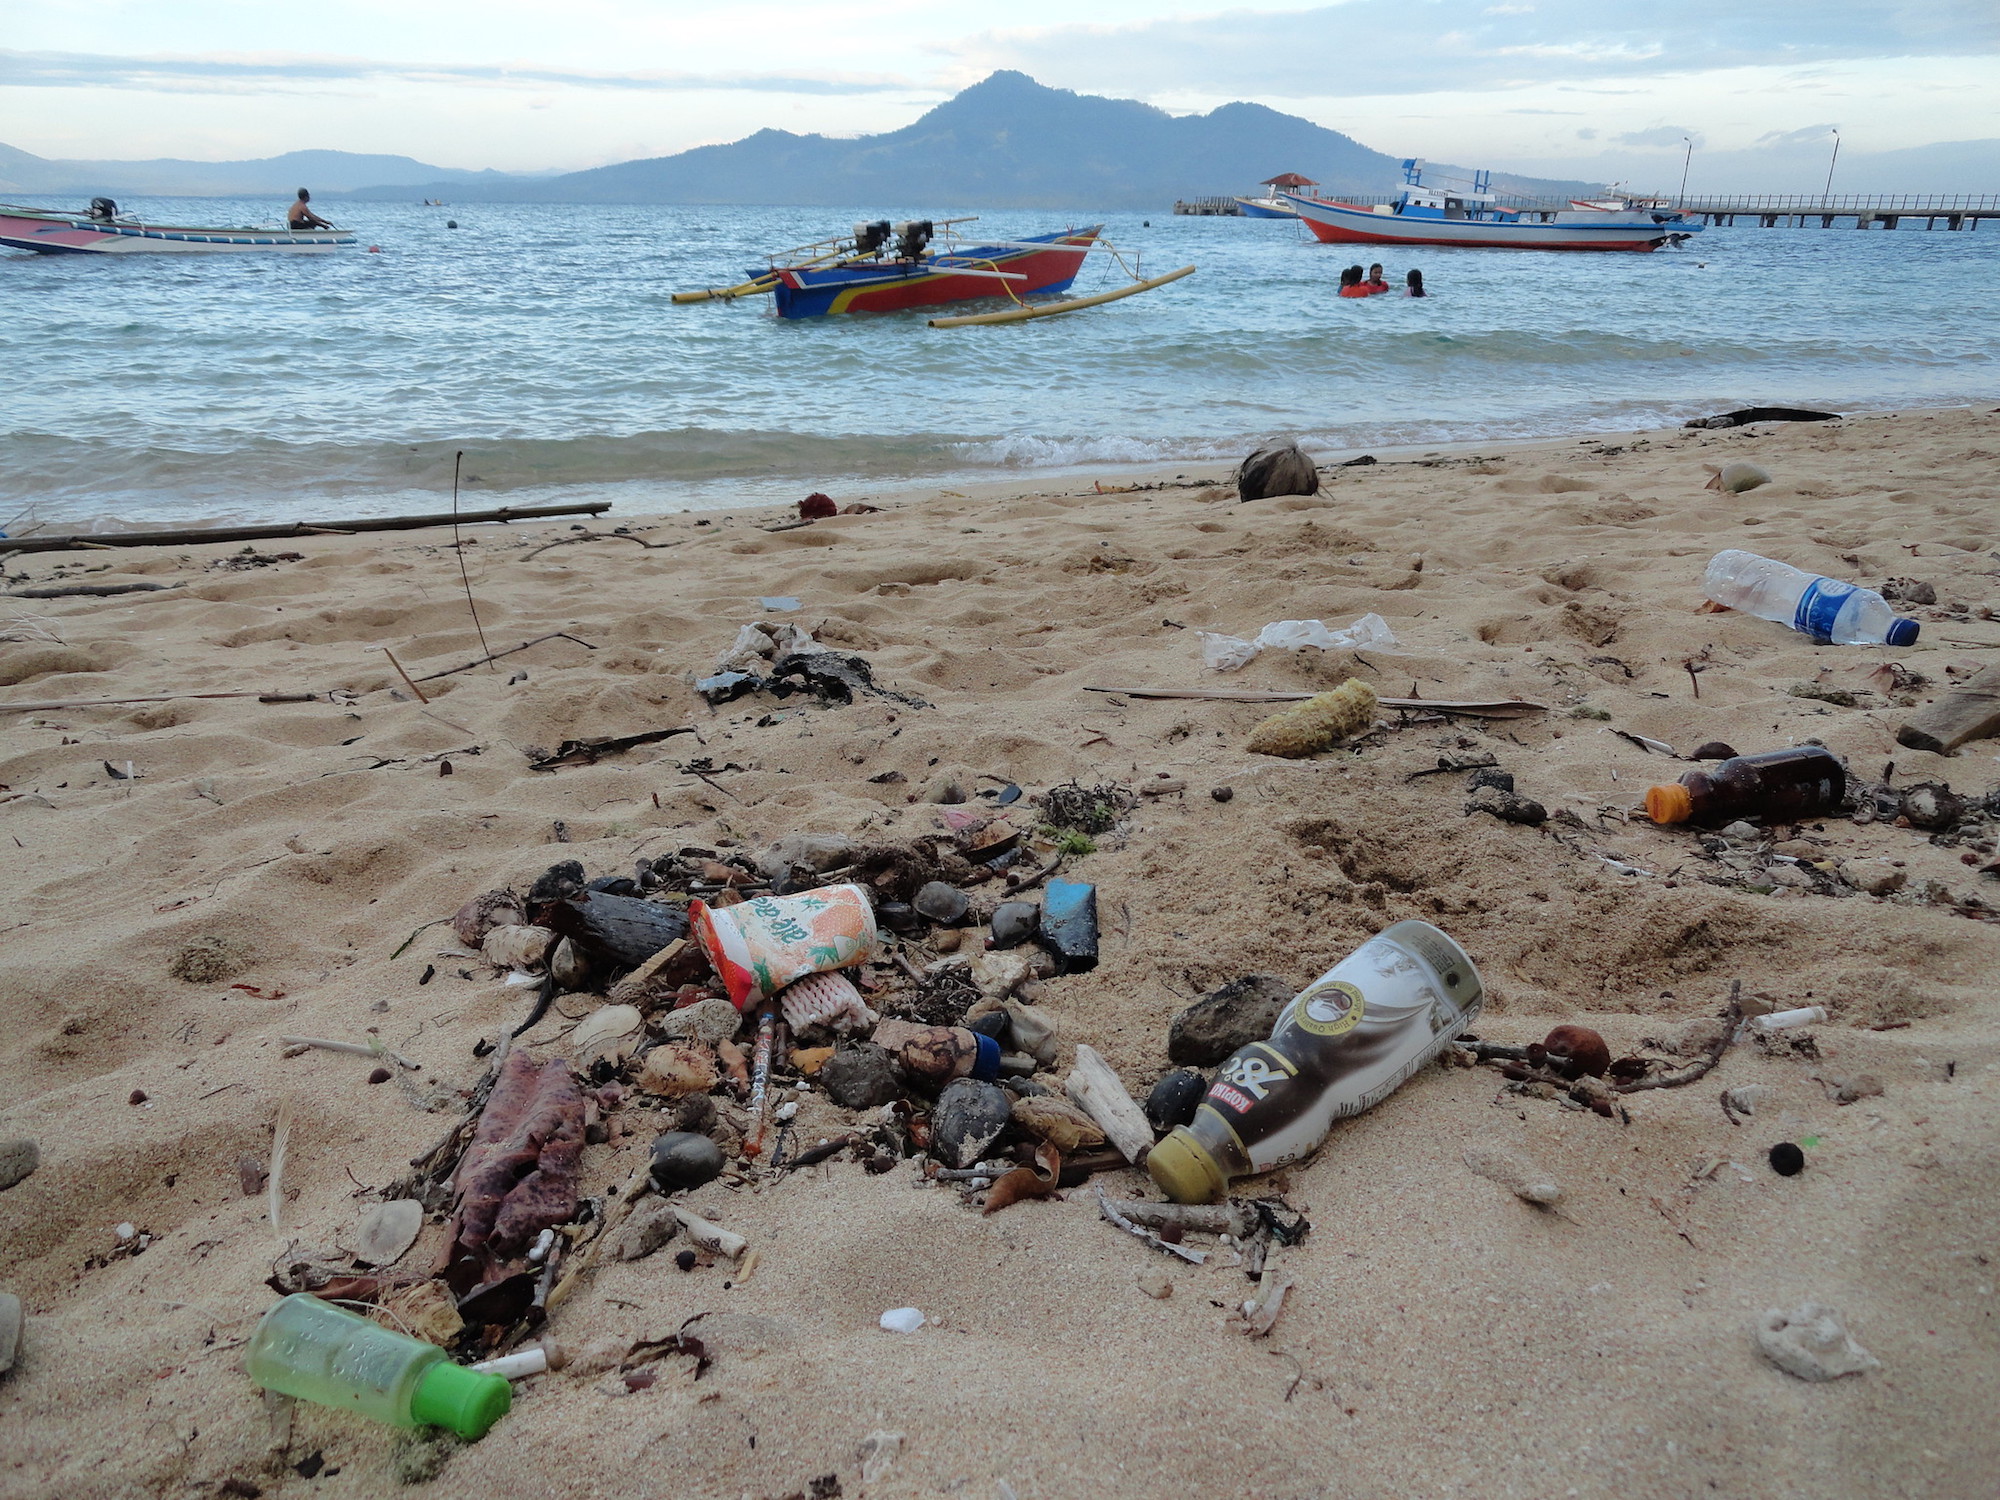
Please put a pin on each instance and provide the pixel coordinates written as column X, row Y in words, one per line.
column 1672, row 803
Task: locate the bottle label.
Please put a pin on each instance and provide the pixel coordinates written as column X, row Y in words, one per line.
column 1819, row 606
column 1329, row 1008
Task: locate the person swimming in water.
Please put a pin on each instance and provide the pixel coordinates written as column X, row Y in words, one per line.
column 1376, row 283
column 1413, row 285
column 1350, row 283
column 302, row 217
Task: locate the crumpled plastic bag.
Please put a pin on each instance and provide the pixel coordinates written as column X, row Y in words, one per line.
column 757, row 641
column 1228, row 653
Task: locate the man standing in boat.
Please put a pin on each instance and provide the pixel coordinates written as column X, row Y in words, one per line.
column 302, row 217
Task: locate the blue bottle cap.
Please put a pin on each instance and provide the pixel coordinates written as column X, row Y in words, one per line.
column 986, row 1065
column 1902, row 632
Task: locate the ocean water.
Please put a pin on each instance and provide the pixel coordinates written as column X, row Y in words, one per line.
column 541, row 341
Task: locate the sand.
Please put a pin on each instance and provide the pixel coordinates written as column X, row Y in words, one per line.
column 1443, row 1337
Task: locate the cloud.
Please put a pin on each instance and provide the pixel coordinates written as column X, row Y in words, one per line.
column 286, row 73
column 1806, row 135
column 1674, row 136
column 1427, row 46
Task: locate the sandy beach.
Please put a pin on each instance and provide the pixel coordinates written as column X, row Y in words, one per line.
column 1443, row 1337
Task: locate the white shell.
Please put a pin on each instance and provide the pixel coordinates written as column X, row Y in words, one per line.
column 513, row 947
column 608, row 1030
column 388, row 1230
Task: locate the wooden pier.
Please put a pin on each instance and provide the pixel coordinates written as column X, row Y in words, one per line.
column 1206, row 207
column 1866, row 210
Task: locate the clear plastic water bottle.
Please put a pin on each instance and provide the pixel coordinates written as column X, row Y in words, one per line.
column 1830, row 611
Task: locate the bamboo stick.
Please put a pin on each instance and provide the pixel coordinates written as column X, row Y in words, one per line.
column 198, row 535
column 1067, row 304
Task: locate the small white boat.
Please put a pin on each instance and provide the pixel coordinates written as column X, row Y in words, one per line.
column 1270, row 205
column 102, row 230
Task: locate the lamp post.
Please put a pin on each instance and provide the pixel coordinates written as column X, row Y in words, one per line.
column 1686, row 161
column 1828, row 191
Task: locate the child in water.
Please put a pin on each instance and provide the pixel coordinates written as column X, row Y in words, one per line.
column 1413, row 285
column 1350, row 283
column 1376, row 283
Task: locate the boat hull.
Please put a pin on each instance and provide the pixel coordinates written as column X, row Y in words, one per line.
column 901, row 285
column 79, row 234
column 1264, row 208
column 1347, row 224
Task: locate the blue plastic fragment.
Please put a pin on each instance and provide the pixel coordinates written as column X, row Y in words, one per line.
column 1069, row 923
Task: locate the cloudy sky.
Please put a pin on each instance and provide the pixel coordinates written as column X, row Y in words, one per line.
column 529, row 85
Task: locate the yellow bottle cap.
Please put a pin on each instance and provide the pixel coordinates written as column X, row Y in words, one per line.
column 1672, row 803
column 1184, row 1170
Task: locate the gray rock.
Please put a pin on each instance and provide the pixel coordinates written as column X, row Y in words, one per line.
column 969, row 1117
column 1014, row 922
column 941, row 902
column 10, row 1330
column 1491, row 776
column 1742, row 830
column 817, row 852
column 1033, row 1032
column 862, row 1077
column 1241, row 1012
column 17, row 1160
column 1507, row 806
column 1174, row 1099
column 1932, row 806
column 682, row 1159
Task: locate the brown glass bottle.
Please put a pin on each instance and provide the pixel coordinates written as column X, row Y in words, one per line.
column 1779, row 786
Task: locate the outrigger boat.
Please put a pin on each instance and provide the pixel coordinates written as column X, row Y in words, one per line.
column 102, row 230
column 1430, row 216
column 884, row 267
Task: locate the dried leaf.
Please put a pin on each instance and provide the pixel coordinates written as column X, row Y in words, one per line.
column 1026, row 1182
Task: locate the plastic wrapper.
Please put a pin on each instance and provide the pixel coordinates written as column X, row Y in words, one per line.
column 1229, row 653
column 760, row 946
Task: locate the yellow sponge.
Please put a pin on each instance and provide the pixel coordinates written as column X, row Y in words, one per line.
column 1317, row 724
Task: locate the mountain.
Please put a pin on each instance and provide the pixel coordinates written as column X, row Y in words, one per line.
column 1006, row 142
column 329, row 171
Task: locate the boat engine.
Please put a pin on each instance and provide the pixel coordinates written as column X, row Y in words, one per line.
column 911, row 237
column 103, row 208
column 870, row 238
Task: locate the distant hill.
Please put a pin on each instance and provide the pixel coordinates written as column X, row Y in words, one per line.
column 23, row 174
column 1006, row 142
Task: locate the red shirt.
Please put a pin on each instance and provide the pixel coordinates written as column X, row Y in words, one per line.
column 1373, row 288
column 1355, row 291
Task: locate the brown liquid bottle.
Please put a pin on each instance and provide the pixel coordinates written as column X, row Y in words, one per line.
column 1779, row 786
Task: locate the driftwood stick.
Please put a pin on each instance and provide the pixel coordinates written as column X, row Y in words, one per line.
column 1112, row 1215
column 91, row 590
column 1732, row 1022
column 199, row 535
column 1477, row 708
column 404, row 675
column 711, row 1237
column 1970, row 711
column 44, row 704
column 1201, row 1218
column 356, row 1049
column 1492, row 1051
column 1095, row 1089
column 599, row 536
column 480, row 661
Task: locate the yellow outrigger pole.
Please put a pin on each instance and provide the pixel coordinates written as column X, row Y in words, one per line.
column 1066, row 304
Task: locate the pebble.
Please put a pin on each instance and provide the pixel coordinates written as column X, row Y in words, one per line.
column 1515, row 1172
column 1713, row 750
column 10, row 1330
column 1033, row 1032
column 1507, row 806
column 1154, row 1282
column 1174, row 1099
column 903, row 1319
column 1493, row 776
column 377, row 1075
column 646, row 1231
column 1860, row 1086
column 861, row 1077
column 682, row 1159
column 1874, row 877
column 1241, row 1012
column 1787, row 1160
column 1014, row 922
column 1812, row 1343
column 1222, row 793
column 969, row 1117
column 1748, row 1098
column 1742, row 830
column 941, row 902
column 17, row 1160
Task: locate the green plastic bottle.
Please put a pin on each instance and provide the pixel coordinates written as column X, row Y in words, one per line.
column 318, row 1352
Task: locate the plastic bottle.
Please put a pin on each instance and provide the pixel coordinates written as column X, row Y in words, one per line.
column 1827, row 609
column 318, row 1352
column 1343, row 1044
column 1778, row 786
